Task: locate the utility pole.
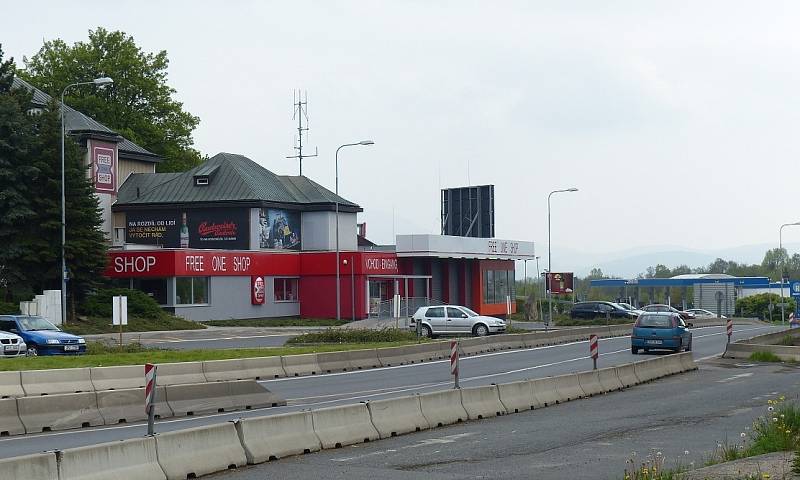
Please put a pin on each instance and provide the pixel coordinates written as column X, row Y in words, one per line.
column 300, row 113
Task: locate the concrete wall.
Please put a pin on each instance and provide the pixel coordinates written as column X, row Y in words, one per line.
column 230, row 298
column 318, row 231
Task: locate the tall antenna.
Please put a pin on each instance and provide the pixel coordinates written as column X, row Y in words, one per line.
column 300, row 113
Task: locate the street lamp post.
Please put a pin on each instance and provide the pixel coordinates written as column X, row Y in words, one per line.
column 538, row 279
column 549, row 254
column 99, row 82
column 339, row 287
column 783, row 266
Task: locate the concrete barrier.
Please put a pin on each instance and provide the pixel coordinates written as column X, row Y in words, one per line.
column 392, row 356
column 568, row 387
column 199, row 451
column 361, row 359
column 277, row 436
column 627, row 375
column 772, row 338
column 10, row 385
column 442, row 408
column 533, row 340
column 133, row 459
column 482, row 402
column 301, row 365
column 180, row 373
column 59, row 412
column 590, row 383
column 396, row 416
column 116, row 378
column 215, row 397
column 333, row 362
column 508, row 342
column 261, row 368
column 651, row 369
column 39, row 466
column 517, row 396
column 546, row 391
column 687, row 361
column 127, row 405
column 10, row 423
column 51, row 382
column 609, row 380
column 744, row 350
column 343, row 425
column 673, row 363
column 474, row 346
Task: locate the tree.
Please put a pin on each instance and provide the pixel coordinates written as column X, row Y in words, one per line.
column 139, row 105
column 595, row 274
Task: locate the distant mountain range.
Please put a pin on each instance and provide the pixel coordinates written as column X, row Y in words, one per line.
column 630, row 263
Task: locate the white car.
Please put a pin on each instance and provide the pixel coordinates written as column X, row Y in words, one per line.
column 12, row 345
column 703, row 313
column 454, row 319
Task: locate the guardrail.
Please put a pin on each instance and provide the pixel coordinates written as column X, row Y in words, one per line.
column 204, row 450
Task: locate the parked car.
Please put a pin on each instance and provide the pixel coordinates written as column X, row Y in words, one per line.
column 658, row 307
column 454, row 319
column 660, row 330
column 41, row 336
column 630, row 308
column 703, row 313
column 12, row 345
column 590, row 310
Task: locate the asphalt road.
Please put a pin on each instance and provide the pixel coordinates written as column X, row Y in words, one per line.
column 351, row 387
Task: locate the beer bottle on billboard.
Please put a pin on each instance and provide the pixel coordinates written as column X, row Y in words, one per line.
column 184, row 232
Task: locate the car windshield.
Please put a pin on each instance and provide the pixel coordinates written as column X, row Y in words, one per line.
column 655, row 321
column 469, row 312
column 35, row 323
column 626, row 306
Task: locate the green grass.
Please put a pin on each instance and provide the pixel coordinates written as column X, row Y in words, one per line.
column 764, row 357
column 95, row 325
column 277, row 322
column 788, row 340
column 343, row 336
column 136, row 355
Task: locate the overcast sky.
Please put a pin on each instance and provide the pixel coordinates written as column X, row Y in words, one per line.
column 678, row 121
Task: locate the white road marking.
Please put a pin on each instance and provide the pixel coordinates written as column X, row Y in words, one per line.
column 421, row 443
column 735, row 377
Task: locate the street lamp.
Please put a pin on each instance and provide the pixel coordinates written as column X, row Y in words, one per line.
column 538, row 278
column 100, row 81
column 549, row 256
column 783, row 265
column 338, row 287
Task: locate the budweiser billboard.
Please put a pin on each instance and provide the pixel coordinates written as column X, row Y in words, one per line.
column 560, row 282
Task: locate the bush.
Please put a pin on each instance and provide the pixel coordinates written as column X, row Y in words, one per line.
column 355, row 336
column 764, row 357
column 8, row 308
column 758, row 305
column 140, row 305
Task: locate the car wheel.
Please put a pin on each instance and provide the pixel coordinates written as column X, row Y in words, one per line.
column 32, row 351
column 425, row 331
column 635, row 350
column 480, row 330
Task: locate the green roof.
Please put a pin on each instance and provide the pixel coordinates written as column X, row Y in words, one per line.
column 232, row 178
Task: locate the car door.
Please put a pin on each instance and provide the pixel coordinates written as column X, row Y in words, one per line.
column 458, row 321
column 435, row 317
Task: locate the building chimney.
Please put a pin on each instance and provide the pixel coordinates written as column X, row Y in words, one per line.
column 362, row 230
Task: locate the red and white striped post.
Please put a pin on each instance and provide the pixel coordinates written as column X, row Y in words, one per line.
column 729, row 328
column 150, row 396
column 454, row 361
column 593, row 349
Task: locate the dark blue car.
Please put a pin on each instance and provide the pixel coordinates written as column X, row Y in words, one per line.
column 42, row 337
column 660, row 331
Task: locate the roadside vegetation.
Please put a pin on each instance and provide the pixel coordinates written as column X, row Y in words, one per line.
column 765, row 357
column 277, row 322
column 350, row 336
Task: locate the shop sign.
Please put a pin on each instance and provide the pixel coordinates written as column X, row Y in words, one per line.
column 279, row 229
column 560, row 282
column 380, row 265
column 258, row 289
column 103, row 162
column 199, row 263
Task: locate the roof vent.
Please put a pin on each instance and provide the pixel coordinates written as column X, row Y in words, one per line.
column 200, row 180
column 203, row 175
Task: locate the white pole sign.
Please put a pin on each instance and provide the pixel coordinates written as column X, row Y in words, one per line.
column 120, row 310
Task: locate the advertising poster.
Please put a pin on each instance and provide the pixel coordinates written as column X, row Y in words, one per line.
column 560, row 282
column 158, row 227
column 224, row 228
column 104, row 167
column 279, row 229
column 258, row 290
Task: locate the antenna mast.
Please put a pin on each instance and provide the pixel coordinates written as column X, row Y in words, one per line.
column 300, row 113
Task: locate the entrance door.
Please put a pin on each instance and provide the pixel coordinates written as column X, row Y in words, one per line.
column 378, row 293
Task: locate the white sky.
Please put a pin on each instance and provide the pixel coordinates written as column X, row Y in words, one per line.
column 677, row 120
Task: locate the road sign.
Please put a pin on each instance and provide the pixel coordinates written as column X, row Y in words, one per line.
column 593, row 349
column 454, row 360
column 150, row 396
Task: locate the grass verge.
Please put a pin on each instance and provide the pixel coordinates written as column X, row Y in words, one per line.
column 95, row 325
column 277, row 322
column 764, row 357
column 106, row 356
column 344, row 336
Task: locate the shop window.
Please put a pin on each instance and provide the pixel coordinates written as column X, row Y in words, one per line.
column 153, row 287
column 497, row 284
column 286, row 290
column 191, row 290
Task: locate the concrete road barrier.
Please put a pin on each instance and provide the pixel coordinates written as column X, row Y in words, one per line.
column 568, row 387
column 609, row 380
column 744, row 350
column 442, row 408
column 277, row 436
column 131, row 459
column 59, row 412
column 10, row 423
column 396, row 416
column 116, row 378
column 333, row 362
column 62, row 380
column 627, row 375
column 392, row 356
column 301, row 365
column 361, row 359
column 127, row 405
column 533, row 340
column 199, row 451
column 517, row 396
column 772, row 338
column 673, row 363
column 261, row 368
column 343, row 425
column 39, row 466
column 546, row 391
column 651, row 369
column 482, row 402
column 215, row 397
column 590, row 383
column 508, row 342
column 687, row 361
column 11, row 385
column 473, row 346
column 180, row 373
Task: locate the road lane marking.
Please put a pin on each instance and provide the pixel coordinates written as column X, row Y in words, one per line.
column 735, row 377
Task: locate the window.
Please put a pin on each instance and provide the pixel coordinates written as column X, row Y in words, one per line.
column 286, row 290
column 8, row 325
column 453, row 312
column 191, row 290
column 435, row 312
column 156, row 288
column 497, row 284
column 655, row 321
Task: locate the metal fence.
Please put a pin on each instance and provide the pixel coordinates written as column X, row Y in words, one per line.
column 385, row 308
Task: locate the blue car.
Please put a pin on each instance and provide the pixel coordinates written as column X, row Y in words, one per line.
column 660, row 331
column 41, row 336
